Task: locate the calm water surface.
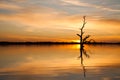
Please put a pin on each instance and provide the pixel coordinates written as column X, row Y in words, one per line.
column 60, row 62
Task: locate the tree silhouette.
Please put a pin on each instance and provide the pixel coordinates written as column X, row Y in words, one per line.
column 82, row 38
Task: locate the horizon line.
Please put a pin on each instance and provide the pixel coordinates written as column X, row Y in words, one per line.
column 50, row 42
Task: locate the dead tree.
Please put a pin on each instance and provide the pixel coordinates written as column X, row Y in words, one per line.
column 82, row 38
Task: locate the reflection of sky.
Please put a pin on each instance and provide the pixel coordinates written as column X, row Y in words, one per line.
column 42, row 20
column 103, row 74
column 58, row 62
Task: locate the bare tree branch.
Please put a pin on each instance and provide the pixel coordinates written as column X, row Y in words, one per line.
column 85, row 38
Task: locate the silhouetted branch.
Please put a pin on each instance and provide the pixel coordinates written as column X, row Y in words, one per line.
column 84, row 22
column 91, row 40
column 79, row 35
column 85, row 38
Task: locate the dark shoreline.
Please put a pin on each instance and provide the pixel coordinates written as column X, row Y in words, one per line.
column 56, row 43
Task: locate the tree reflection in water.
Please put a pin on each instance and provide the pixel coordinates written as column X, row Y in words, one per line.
column 83, row 53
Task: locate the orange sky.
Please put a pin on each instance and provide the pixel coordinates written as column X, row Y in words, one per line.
column 58, row 20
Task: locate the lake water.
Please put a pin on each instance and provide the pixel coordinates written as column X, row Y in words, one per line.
column 60, row 62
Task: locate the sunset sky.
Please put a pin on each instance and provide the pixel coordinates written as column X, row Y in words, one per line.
column 59, row 20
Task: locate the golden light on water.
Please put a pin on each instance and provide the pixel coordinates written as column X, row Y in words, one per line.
column 56, row 60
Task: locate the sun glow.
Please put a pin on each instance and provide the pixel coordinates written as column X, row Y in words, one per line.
column 76, row 41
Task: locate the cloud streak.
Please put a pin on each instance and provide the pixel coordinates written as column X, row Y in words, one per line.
column 84, row 4
column 9, row 6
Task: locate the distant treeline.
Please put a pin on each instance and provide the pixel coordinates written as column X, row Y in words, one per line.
column 35, row 43
column 49, row 43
